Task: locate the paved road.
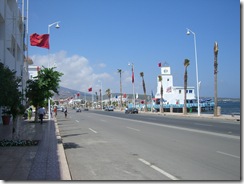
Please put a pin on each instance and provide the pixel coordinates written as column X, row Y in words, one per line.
column 99, row 146
column 231, row 127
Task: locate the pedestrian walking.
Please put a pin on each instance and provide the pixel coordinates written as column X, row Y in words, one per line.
column 29, row 113
column 41, row 113
column 65, row 112
column 55, row 111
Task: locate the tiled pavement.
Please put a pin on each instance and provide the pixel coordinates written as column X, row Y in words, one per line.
column 44, row 162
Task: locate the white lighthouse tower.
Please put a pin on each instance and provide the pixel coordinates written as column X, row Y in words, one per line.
column 172, row 94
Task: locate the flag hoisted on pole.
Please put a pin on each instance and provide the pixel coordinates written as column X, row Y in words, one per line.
column 160, row 64
column 39, row 40
column 90, row 89
column 132, row 74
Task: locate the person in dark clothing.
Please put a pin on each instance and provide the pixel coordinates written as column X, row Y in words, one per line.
column 65, row 112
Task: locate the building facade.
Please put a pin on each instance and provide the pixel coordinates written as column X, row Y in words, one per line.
column 172, row 94
column 12, row 39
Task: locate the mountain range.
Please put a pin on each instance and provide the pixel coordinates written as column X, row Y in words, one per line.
column 66, row 93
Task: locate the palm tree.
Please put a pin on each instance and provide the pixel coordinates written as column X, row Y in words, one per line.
column 100, row 92
column 216, row 49
column 186, row 64
column 144, row 90
column 120, row 71
column 160, row 79
column 109, row 95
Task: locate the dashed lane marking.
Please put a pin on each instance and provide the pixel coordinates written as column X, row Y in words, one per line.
column 158, row 169
column 133, row 129
column 93, row 130
column 223, row 153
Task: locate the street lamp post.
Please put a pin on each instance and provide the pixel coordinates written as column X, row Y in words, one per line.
column 133, row 84
column 101, row 93
column 195, row 46
column 49, row 26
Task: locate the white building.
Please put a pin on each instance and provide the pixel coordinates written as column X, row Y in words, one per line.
column 33, row 71
column 172, row 94
column 12, row 36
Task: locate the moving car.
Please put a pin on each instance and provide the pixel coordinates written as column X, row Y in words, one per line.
column 131, row 110
column 109, row 108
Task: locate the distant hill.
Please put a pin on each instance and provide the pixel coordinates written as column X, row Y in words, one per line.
column 66, row 93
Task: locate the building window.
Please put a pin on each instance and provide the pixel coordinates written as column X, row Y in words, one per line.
column 190, row 91
column 180, row 91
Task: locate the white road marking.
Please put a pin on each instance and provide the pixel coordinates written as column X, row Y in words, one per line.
column 158, row 169
column 202, row 124
column 133, row 129
column 103, row 120
column 77, row 121
column 93, row 130
column 227, row 154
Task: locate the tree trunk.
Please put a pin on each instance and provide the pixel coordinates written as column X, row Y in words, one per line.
column 161, row 100
column 185, row 88
column 215, row 78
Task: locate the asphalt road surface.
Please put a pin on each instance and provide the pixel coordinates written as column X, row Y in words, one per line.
column 107, row 146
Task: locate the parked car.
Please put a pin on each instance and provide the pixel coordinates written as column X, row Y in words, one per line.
column 131, row 110
column 109, row 108
column 78, row 109
column 60, row 108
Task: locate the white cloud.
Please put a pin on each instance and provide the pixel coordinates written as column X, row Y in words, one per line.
column 78, row 72
column 102, row 65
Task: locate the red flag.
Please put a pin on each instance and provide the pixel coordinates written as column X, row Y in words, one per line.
column 159, row 65
column 40, row 40
column 89, row 89
column 132, row 74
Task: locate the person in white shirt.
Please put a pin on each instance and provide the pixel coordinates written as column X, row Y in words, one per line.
column 41, row 112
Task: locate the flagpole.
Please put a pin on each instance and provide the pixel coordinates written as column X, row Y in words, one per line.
column 133, row 83
column 92, row 101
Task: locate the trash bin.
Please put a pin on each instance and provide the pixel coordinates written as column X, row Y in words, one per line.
column 171, row 109
column 218, row 111
column 190, row 110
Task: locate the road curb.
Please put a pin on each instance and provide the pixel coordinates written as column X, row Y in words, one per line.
column 64, row 168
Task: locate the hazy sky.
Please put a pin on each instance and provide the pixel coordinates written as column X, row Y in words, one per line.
column 97, row 37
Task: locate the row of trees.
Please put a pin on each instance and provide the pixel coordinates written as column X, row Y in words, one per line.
column 10, row 96
column 38, row 90
column 42, row 87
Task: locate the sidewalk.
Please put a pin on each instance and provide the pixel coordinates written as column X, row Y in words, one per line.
column 46, row 161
